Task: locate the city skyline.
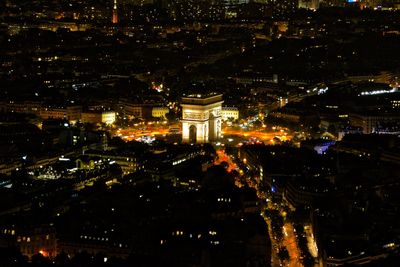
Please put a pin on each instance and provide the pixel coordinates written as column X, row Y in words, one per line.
column 203, row 133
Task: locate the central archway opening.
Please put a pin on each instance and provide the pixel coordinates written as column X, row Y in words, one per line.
column 192, row 134
column 211, row 127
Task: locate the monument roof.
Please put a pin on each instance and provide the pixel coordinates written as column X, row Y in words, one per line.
column 202, row 99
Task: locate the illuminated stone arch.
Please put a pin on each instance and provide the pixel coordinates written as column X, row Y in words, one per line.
column 204, row 113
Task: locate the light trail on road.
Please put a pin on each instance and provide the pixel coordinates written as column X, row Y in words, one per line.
column 262, row 135
column 268, row 137
column 290, row 242
column 223, row 157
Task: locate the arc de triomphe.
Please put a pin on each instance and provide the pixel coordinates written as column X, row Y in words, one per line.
column 201, row 118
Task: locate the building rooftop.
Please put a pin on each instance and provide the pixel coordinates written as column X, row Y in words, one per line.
column 202, row 99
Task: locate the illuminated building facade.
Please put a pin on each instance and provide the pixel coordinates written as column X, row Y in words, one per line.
column 53, row 113
column 230, row 113
column 309, row 4
column 94, row 116
column 369, row 122
column 32, row 240
column 159, row 112
column 201, row 118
